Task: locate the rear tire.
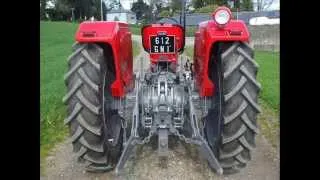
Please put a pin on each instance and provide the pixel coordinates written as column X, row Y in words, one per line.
column 239, row 91
column 84, row 80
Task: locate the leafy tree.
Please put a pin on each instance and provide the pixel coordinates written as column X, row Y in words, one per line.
column 175, row 5
column 96, row 9
column 140, row 8
column 263, row 4
column 207, row 6
column 202, row 3
column 43, row 4
column 207, row 9
column 246, row 5
column 107, row 6
column 165, row 13
column 62, row 10
column 197, row 3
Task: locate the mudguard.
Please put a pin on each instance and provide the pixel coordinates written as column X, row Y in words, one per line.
column 207, row 34
column 174, row 30
column 118, row 37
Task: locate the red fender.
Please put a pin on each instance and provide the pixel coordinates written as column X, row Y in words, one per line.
column 118, row 36
column 207, row 34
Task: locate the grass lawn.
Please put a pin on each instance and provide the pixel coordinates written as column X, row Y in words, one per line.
column 269, row 77
column 135, row 29
column 136, row 48
column 190, row 30
column 188, row 50
column 56, row 39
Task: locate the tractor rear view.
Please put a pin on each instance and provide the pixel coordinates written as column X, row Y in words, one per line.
column 211, row 102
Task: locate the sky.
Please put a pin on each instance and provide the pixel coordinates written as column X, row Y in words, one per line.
column 126, row 3
column 275, row 5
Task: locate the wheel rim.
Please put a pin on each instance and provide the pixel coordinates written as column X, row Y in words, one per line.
column 111, row 128
column 213, row 121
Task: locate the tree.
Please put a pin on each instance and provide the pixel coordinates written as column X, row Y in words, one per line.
column 106, row 6
column 263, row 4
column 63, row 10
column 140, row 8
column 246, row 5
column 84, row 8
column 215, row 2
column 206, row 9
column 175, row 5
column 156, row 6
column 96, row 8
column 43, row 4
column 197, row 3
column 202, row 3
column 165, row 13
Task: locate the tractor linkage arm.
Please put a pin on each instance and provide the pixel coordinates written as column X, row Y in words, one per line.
column 196, row 138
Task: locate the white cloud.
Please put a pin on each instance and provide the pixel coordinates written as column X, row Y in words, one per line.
column 126, row 3
column 275, row 5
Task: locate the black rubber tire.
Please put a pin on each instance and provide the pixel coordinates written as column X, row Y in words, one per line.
column 84, row 80
column 240, row 89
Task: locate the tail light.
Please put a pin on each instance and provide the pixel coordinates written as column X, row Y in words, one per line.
column 222, row 16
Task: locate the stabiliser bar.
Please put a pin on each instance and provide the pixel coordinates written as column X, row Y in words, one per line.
column 134, row 138
column 197, row 139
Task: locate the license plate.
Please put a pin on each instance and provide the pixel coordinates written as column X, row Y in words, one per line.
column 162, row 44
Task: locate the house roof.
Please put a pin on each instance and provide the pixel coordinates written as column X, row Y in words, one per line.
column 191, row 19
column 121, row 10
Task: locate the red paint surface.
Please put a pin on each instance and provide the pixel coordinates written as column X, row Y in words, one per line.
column 168, row 29
column 117, row 35
column 207, row 34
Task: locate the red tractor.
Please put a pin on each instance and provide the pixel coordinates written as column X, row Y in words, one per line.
column 211, row 102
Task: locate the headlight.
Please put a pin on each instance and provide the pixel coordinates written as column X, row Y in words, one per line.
column 222, row 16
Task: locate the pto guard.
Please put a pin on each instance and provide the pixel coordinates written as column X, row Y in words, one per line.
column 117, row 35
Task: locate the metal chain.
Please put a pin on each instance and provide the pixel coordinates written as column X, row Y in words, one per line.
column 124, row 123
column 146, row 139
column 180, row 136
column 187, row 140
column 183, row 138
